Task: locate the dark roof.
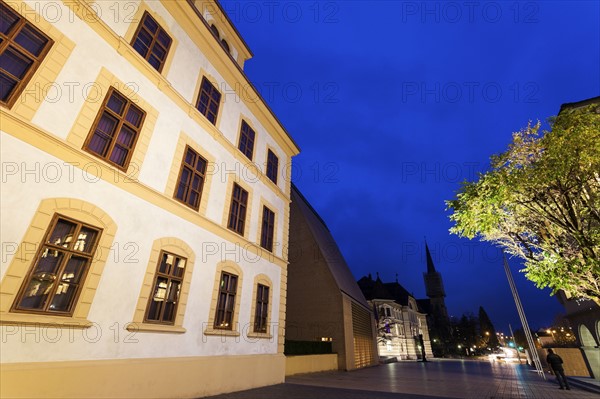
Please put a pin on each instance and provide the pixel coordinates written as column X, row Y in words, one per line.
column 582, row 103
column 334, row 259
column 399, row 293
column 376, row 289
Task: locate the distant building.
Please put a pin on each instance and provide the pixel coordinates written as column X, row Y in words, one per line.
column 435, row 307
column 324, row 302
column 401, row 327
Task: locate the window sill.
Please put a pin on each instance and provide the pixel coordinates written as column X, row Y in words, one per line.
column 226, row 333
column 159, row 328
column 259, row 335
column 17, row 319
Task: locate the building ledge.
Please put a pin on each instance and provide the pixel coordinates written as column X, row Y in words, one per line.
column 221, row 333
column 149, row 327
column 18, row 319
column 259, row 335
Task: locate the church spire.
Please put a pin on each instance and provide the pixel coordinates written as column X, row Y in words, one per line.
column 434, row 285
column 430, row 266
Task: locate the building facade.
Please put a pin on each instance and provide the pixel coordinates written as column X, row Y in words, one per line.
column 584, row 314
column 145, row 203
column 324, row 302
column 402, row 330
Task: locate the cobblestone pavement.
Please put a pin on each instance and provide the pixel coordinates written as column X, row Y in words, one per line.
column 415, row 380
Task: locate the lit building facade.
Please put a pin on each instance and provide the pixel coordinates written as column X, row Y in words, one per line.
column 145, row 204
column 400, row 323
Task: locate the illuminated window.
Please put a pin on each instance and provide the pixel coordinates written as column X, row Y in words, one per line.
column 208, row 101
column 116, row 129
column 152, row 42
column 262, row 309
column 226, row 301
column 246, row 144
column 168, row 280
column 237, row 210
column 22, row 49
column 191, row 179
column 268, row 227
column 272, row 165
column 60, row 268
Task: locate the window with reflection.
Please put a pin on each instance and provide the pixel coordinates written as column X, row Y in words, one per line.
column 54, row 281
column 268, row 229
column 152, row 42
column 164, row 297
column 22, row 49
column 116, row 130
column 208, row 101
column 191, row 179
column 237, row 209
column 226, row 301
column 246, row 144
column 262, row 308
column 272, row 166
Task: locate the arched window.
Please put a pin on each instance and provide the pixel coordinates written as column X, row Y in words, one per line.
column 163, row 297
column 225, row 305
column 215, row 31
column 225, row 45
column 587, row 339
column 58, row 284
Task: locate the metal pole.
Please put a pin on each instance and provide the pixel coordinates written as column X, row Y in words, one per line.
column 513, row 288
column 515, row 341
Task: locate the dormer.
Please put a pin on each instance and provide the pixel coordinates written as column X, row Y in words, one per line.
column 223, row 30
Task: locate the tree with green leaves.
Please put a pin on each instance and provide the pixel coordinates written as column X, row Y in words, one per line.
column 540, row 201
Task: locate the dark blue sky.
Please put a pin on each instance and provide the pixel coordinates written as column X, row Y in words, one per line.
column 393, row 103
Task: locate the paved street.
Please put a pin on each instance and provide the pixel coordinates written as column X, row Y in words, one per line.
column 413, row 380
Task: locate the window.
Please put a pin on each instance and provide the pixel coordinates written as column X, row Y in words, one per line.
column 262, row 308
column 22, row 49
column 237, row 211
column 215, row 30
column 61, row 265
column 152, row 42
column 272, row 166
column 226, row 301
column 268, row 226
column 225, row 45
column 116, row 129
column 246, row 144
column 208, row 101
column 168, row 280
column 191, row 179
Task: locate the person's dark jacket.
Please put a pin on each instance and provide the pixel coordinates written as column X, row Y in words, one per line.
column 554, row 361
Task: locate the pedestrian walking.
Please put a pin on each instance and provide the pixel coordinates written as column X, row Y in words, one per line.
column 555, row 362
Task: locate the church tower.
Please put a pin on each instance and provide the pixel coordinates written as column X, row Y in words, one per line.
column 434, row 288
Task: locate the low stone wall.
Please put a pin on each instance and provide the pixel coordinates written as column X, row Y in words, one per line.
column 573, row 361
column 310, row 363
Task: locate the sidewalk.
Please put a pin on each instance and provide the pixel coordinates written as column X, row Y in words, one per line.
column 415, row 380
